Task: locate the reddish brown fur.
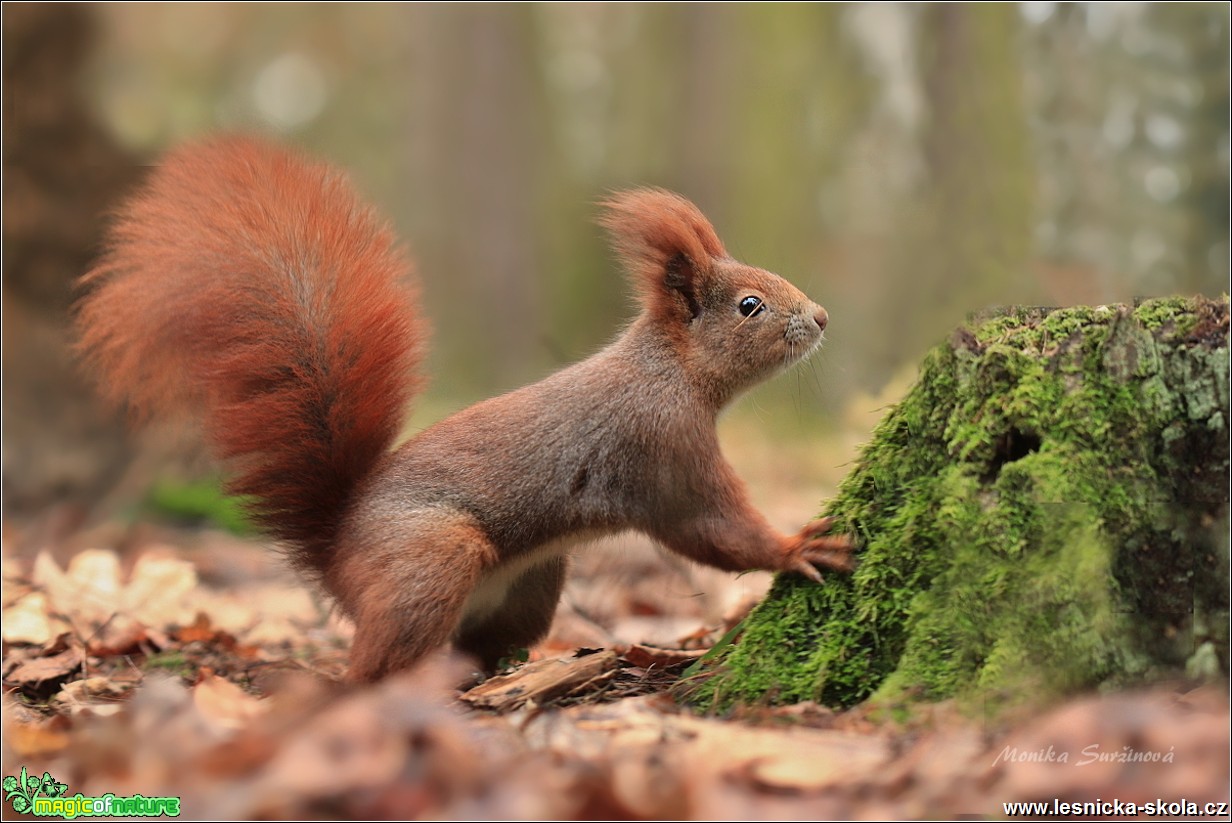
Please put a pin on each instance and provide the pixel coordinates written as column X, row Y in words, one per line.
column 649, row 227
column 250, row 284
column 253, row 286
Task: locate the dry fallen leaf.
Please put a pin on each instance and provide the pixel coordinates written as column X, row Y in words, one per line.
column 98, row 695
column 91, row 594
column 224, row 703
column 28, row 737
column 200, row 630
column 40, row 670
column 120, row 635
column 13, row 582
column 647, row 656
column 156, row 590
column 652, row 782
column 27, row 620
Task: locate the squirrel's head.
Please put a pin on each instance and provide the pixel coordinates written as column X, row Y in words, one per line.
column 732, row 324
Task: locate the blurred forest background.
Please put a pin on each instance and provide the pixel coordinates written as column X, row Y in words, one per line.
column 904, row 164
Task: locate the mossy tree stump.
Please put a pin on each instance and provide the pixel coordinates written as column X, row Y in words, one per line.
column 1044, row 512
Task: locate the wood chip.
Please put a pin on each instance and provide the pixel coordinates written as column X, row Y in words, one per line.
column 543, row 681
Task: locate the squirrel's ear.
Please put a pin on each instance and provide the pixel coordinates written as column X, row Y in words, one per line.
column 666, row 244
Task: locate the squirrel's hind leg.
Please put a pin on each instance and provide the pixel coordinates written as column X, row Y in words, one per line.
column 407, row 593
column 520, row 620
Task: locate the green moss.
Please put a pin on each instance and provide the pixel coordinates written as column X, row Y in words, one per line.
column 170, row 661
column 1156, row 314
column 199, row 501
column 1035, row 518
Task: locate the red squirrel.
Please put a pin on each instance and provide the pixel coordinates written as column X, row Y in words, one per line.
column 251, row 286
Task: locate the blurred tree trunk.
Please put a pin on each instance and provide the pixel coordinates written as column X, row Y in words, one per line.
column 800, row 94
column 1204, row 67
column 1077, row 186
column 481, row 137
column 971, row 239
column 61, row 173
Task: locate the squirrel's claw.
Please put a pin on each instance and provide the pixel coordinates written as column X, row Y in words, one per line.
column 814, row 547
column 807, row 569
column 820, row 526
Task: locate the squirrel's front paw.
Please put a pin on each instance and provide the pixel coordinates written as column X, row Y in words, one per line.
column 814, row 546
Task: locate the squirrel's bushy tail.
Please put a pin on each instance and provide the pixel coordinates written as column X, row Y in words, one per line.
column 250, row 285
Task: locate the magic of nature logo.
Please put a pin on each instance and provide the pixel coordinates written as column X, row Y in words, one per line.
column 47, row 797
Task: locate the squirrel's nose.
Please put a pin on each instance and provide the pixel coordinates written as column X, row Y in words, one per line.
column 821, row 318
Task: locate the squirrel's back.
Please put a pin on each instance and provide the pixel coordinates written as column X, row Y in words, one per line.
column 250, row 285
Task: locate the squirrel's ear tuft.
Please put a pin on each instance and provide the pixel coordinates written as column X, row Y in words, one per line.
column 666, row 244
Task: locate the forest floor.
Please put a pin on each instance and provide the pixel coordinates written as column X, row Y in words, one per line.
column 170, row 662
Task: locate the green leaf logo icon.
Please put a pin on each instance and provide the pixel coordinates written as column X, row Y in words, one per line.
column 22, row 790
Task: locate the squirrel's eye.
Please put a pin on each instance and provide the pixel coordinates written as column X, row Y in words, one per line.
column 750, row 306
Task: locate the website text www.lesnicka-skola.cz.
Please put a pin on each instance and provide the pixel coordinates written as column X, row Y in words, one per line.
column 1115, row 808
